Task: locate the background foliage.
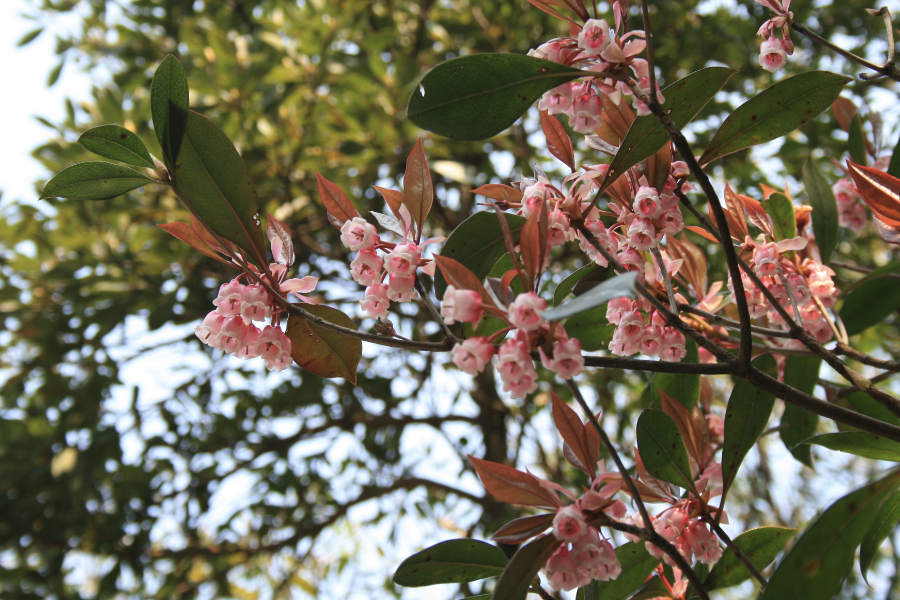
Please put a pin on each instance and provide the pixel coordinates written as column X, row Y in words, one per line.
column 122, row 490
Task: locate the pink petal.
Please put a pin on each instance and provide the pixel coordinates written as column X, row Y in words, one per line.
column 307, row 284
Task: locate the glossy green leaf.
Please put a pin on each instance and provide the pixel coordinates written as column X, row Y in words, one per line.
column 591, row 329
column 94, row 181
column 476, row 97
column 453, row 561
column 760, row 546
column 868, row 405
column 216, row 186
column 588, row 592
column 883, row 525
column 523, row 566
column 859, row 443
column 662, row 448
column 684, row 387
column 856, row 141
column 894, row 167
column 117, row 143
column 824, row 213
column 478, row 244
column 784, row 220
column 888, row 269
column 684, row 98
column 321, row 351
column 798, row 424
column 566, row 286
column 745, row 418
column 815, row 566
column 637, row 564
column 777, row 111
column 870, row 304
column 169, row 108
column 618, row 287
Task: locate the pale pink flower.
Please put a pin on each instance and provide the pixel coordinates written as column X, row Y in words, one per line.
column 282, row 362
column 764, row 258
column 650, row 340
column 524, row 311
column 672, row 344
column 703, row 543
column 524, row 385
column 585, row 115
column 594, row 37
column 772, row 54
column 402, row 289
column 558, row 100
column 366, row 268
column 376, row 301
column 646, row 203
column 513, row 360
column 273, row 343
column 208, row 330
column 616, row 308
column 257, row 304
column 232, row 334
column 567, row 361
column 716, row 426
column 597, row 557
column 472, row 355
column 228, row 302
column 403, row 260
column 249, row 345
column 568, row 524
column 559, row 231
column 560, row 570
column 533, row 196
column 357, row 234
column 642, row 234
column 461, row 305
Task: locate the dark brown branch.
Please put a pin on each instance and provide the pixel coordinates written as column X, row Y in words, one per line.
column 886, row 70
column 653, row 366
column 890, row 365
column 732, row 324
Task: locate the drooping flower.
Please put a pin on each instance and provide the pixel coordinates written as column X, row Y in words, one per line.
column 524, row 312
column 357, row 234
column 461, row 305
column 472, row 355
column 376, row 301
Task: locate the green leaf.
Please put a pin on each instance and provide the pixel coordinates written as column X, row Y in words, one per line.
column 618, row 287
column 775, row 112
column 745, row 418
column 477, row 243
column 53, row 77
column 588, row 592
column 859, row 443
column 888, row 269
column 321, row 351
column 824, row 213
column 662, row 448
column 169, row 108
column 117, row 143
column 856, row 141
column 453, row 561
column 784, row 219
column 476, row 97
column 760, row 546
column 654, row 589
column 816, row 565
column 591, row 329
column 868, row 405
column 870, row 304
column 524, row 565
column 490, row 325
column 797, row 424
column 637, row 564
column 29, row 37
column 685, row 98
column 94, row 181
column 566, row 286
column 216, row 186
column 894, row 167
column 879, row 530
column 683, row 387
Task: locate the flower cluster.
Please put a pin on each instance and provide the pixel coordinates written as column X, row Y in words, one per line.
column 632, row 335
column 391, row 278
column 790, row 282
column 852, row 212
column 773, row 51
column 231, row 326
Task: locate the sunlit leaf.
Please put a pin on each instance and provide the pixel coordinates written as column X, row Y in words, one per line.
column 321, row 351
column 859, row 443
column 94, row 181
column 760, row 546
column 880, row 192
column 784, row 220
column 169, row 107
column 453, row 561
column 117, row 143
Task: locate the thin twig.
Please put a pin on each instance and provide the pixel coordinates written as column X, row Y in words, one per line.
column 741, row 556
column 733, row 324
column 673, row 304
column 890, row 365
column 648, row 37
column 886, row 70
column 435, row 314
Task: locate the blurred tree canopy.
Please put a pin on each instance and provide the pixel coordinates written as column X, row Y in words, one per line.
column 120, row 492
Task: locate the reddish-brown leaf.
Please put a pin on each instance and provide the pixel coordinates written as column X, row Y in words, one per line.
column 499, row 192
column 844, row 110
column 550, row 11
column 701, row 429
column 737, row 218
column 767, row 191
column 524, row 528
column 757, row 214
column 274, row 228
column 658, row 487
column 684, row 420
column 533, row 244
column 335, row 200
column 558, row 142
column 658, row 167
column 880, row 192
column 418, row 187
column 459, row 276
column 186, row 234
column 702, row 233
column 619, row 116
column 513, row 486
column 393, row 198
column 571, row 429
column 321, row 351
column 889, row 234
column 206, row 235
column 694, row 267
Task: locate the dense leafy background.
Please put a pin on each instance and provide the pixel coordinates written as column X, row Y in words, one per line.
column 300, row 87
